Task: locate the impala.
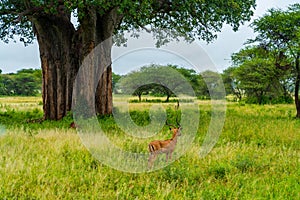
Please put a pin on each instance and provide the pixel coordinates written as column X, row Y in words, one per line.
column 164, row 146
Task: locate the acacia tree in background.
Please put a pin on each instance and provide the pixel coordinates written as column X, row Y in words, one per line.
column 26, row 82
column 210, row 85
column 162, row 81
column 279, row 31
column 232, row 84
column 254, row 71
column 64, row 46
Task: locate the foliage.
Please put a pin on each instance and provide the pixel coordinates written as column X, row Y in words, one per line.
column 260, row 162
column 205, row 85
column 26, row 82
column 278, row 31
column 255, row 74
column 159, row 81
column 167, row 19
column 159, row 100
column 231, row 83
column 268, row 71
column 211, row 85
column 192, row 76
column 115, row 79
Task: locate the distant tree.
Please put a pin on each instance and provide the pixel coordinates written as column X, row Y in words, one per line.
column 25, row 85
column 7, row 85
column 115, row 79
column 231, row 83
column 34, row 76
column 132, row 84
column 155, row 79
column 26, row 82
column 144, row 89
column 38, row 78
column 211, row 85
column 191, row 75
column 279, row 31
column 255, row 73
column 162, row 90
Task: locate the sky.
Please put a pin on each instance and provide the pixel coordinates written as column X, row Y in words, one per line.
column 215, row 55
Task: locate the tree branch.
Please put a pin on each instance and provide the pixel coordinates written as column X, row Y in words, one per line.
column 27, row 12
column 8, row 12
column 143, row 27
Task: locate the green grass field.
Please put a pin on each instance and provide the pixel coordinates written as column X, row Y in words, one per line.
column 257, row 157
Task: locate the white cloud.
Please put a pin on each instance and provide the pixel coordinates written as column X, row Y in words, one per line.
column 15, row 56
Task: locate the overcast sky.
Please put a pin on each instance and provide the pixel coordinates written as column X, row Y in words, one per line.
column 15, row 56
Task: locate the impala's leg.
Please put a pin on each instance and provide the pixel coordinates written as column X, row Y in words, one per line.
column 167, row 156
column 170, row 157
column 151, row 159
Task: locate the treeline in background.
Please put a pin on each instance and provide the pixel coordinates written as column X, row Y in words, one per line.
column 25, row 82
column 253, row 78
column 257, row 81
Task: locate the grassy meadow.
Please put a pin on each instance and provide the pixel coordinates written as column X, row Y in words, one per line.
column 256, row 157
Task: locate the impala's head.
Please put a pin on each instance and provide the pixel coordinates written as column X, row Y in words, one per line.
column 176, row 130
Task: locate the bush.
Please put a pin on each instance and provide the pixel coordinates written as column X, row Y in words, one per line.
column 161, row 101
column 270, row 100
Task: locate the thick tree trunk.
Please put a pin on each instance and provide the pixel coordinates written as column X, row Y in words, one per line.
column 96, row 56
column 297, row 85
column 59, row 64
column 103, row 97
column 105, row 26
column 63, row 50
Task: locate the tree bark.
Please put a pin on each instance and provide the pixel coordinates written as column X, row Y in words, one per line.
column 105, row 27
column 63, row 50
column 96, row 58
column 168, row 97
column 103, row 97
column 59, row 63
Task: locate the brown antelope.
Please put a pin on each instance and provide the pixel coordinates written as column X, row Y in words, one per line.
column 164, row 146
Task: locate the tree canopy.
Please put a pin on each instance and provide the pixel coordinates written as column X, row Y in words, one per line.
column 267, row 69
column 255, row 73
column 279, row 31
column 26, row 82
column 158, row 80
column 167, row 19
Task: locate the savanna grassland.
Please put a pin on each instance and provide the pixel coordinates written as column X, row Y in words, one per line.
column 256, row 157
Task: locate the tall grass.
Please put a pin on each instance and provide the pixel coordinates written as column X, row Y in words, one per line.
column 256, row 157
column 20, row 103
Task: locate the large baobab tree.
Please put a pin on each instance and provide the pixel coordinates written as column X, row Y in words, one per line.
column 64, row 46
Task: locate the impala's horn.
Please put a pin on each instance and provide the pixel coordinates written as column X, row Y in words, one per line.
column 171, row 125
column 177, row 122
